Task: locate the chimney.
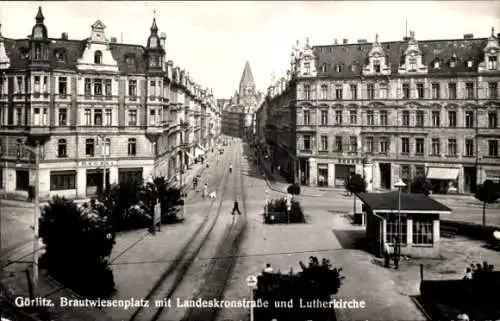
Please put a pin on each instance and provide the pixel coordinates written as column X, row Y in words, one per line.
column 335, row 41
column 163, row 37
column 170, row 63
column 64, row 36
column 113, row 40
column 344, row 41
column 406, row 38
column 362, row 41
column 468, row 36
column 498, row 35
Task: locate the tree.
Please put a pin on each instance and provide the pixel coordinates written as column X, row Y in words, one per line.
column 355, row 185
column 77, row 244
column 487, row 193
column 421, row 185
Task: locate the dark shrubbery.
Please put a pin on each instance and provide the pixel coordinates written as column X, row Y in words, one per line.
column 488, row 193
column 315, row 282
column 421, row 185
column 78, row 243
column 293, row 189
column 277, row 212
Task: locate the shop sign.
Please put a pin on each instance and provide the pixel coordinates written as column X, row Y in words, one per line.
column 347, row 161
column 96, row 163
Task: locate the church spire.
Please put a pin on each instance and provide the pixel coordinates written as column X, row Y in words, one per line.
column 154, row 27
column 246, row 81
column 39, row 16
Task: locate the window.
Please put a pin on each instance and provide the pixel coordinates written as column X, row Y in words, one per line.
column 307, row 92
column 97, row 87
column 419, row 118
column 324, row 143
column 393, row 232
column 469, row 119
column 405, row 173
column 492, row 62
column 88, row 88
column 452, row 90
column 324, row 117
column 452, row 118
column 132, row 147
column 152, row 117
column 406, row 118
column 324, row 68
column 423, row 232
column 2, row 86
column 88, row 117
column 63, row 86
column 376, row 66
column 132, row 117
column 406, row 91
column 469, row 147
column 307, row 142
column 97, row 117
column 62, row 150
column 19, row 116
column 492, row 120
column 338, row 144
column 107, row 147
column 453, row 63
column 36, row 116
column 152, row 88
column 307, row 67
column 338, row 93
column 383, row 92
column 493, row 148
column 98, row 57
column 405, row 146
column 307, row 117
column 435, row 91
column 470, row 63
column 353, row 117
column 108, row 117
column 369, row 145
column 19, row 84
column 412, row 62
column 436, row 64
column 353, row 144
column 436, row 147
column 354, row 91
column 107, row 88
column 452, row 147
column 384, row 145
column 469, row 89
column 338, row 117
column 420, row 91
column 419, row 146
column 59, row 56
column 38, row 52
column 338, row 68
column 63, row 117
column 324, row 92
column 383, row 118
column 132, row 88
column 45, row 84
column 436, row 118
column 492, row 90
column 370, row 90
column 89, row 147
column 419, row 171
column 62, row 180
column 370, row 119
column 36, row 88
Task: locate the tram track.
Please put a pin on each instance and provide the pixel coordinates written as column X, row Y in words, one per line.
column 185, row 258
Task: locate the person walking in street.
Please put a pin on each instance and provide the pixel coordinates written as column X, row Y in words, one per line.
column 268, row 268
column 195, row 183
column 387, row 255
column 205, row 189
column 230, row 168
column 236, row 208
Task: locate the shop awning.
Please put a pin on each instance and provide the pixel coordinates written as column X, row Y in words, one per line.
column 190, row 155
column 198, row 152
column 442, row 173
column 493, row 175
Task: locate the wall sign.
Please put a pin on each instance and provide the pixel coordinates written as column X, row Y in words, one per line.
column 96, row 163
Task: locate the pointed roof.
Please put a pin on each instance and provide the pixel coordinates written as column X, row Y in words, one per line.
column 154, row 27
column 247, row 77
column 39, row 16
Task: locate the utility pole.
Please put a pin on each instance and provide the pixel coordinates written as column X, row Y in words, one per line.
column 36, row 218
column 103, row 139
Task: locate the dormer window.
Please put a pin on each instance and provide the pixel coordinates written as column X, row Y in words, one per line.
column 453, row 64
column 436, row 65
column 307, row 67
column 98, row 57
column 323, row 68
column 59, row 56
column 492, row 62
column 38, row 52
column 338, row 68
column 376, row 66
column 412, row 62
column 353, row 68
column 130, row 61
column 470, row 63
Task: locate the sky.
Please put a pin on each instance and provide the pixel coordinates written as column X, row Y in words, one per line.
column 212, row 40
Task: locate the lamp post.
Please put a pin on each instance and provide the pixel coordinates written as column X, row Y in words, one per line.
column 399, row 185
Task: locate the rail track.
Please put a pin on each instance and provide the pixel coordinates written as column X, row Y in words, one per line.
column 177, row 270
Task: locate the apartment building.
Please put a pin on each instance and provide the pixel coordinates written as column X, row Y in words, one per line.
column 389, row 110
column 97, row 105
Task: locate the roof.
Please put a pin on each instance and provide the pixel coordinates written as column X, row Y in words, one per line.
column 72, row 51
column 247, row 77
column 356, row 54
column 409, row 202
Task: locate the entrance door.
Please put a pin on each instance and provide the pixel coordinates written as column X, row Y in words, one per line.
column 94, row 181
column 22, row 179
column 470, row 179
column 322, row 175
column 385, row 175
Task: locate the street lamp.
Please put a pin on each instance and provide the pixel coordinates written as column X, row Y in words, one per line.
column 399, row 185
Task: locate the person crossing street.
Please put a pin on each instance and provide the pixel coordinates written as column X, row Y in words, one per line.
column 236, row 208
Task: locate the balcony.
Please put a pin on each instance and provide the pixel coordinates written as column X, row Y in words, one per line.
column 304, row 128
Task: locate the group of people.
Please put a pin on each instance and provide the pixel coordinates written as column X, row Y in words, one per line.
column 477, row 270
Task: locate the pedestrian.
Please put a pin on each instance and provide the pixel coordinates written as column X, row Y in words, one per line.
column 230, row 168
column 387, row 255
column 268, row 268
column 396, row 252
column 468, row 274
column 205, row 189
column 195, row 182
column 236, row 208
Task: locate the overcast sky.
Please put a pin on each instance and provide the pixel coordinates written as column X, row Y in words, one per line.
column 212, row 40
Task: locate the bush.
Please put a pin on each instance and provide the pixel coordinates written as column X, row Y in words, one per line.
column 421, row 185
column 78, row 243
column 277, row 212
column 293, row 189
column 317, row 281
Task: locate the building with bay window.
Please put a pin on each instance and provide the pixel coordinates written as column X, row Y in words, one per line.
column 388, row 110
column 97, row 104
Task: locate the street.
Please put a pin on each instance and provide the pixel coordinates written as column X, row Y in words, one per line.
column 211, row 254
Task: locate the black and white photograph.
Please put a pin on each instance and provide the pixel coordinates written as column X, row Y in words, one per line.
column 249, row 160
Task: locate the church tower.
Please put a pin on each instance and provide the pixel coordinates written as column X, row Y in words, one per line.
column 247, row 84
column 39, row 42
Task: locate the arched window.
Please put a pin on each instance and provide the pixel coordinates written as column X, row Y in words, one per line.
column 38, row 52
column 98, row 57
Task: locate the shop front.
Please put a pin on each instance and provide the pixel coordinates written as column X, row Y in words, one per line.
column 342, row 173
column 322, row 175
column 444, row 180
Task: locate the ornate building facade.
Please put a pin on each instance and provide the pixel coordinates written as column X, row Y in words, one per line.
column 238, row 117
column 97, row 105
column 389, row 110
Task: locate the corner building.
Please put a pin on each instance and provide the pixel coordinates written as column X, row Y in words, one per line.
column 95, row 105
column 389, row 110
